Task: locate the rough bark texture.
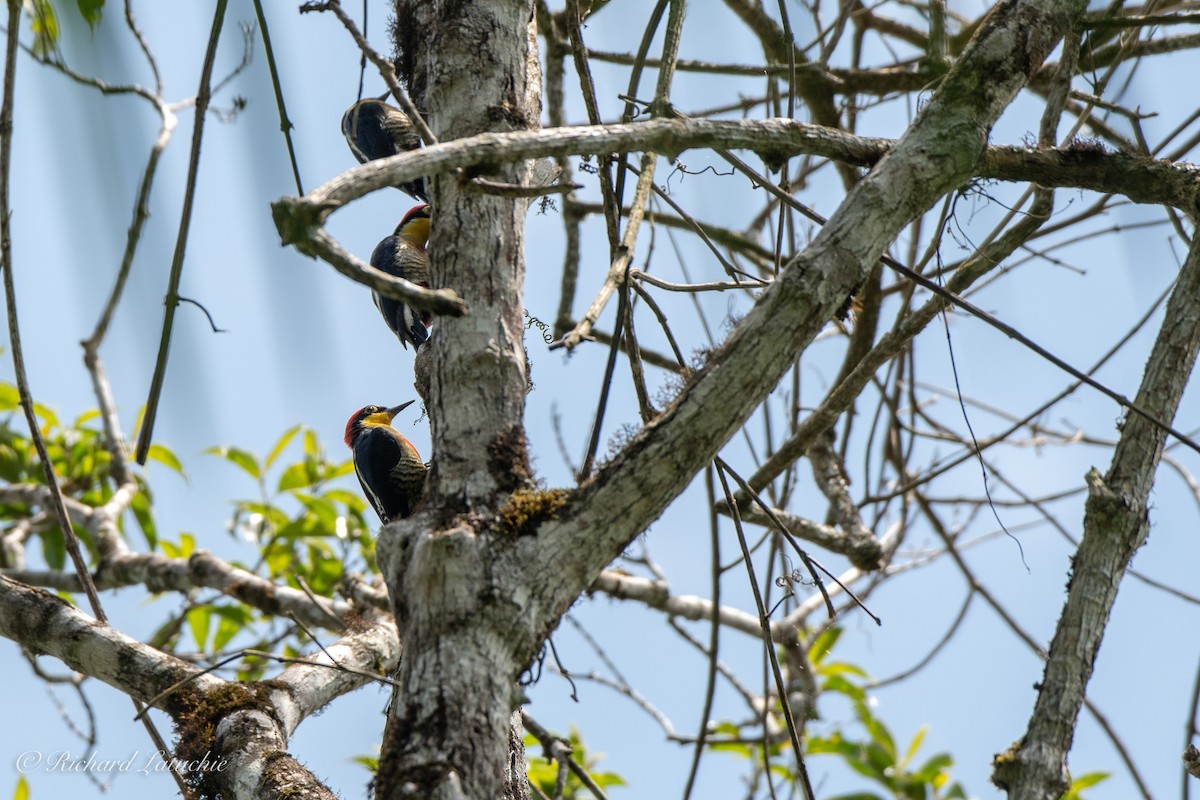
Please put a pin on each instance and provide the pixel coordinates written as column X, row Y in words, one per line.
column 232, row 738
column 472, row 67
column 46, row 624
column 1143, row 180
column 1116, row 521
column 472, row 606
column 937, row 154
column 480, row 74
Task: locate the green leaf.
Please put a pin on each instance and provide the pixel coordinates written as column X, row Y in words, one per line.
column 140, row 506
column 1084, row 781
column 326, row 572
column 137, row 422
column 254, row 671
column 835, row 744
column 22, row 790
column 295, row 477
column 372, row 762
column 823, row 644
column 91, row 10
column 44, row 23
column 239, row 457
column 737, row 748
column 346, row 497
column 54, row 550
column 867, row 760
column 233, row 620
column 344, row 468
column 14, row 456
column 606, row 779
column 46, row 414
column 164, row 456
column 270, row 519
column 85, row 417
column 280, row 561
column 866, row 769
column 842, row 668
column 283, row 442
column 198, row 619
column 935, row 767
column 83, row 464
column 312, row 446
column 880, row 736
column 837, row 683
column 10, row 398
column 915, row 744
column 325, row 511
column 1089, row 779
column 166, row 636
column 187, row 543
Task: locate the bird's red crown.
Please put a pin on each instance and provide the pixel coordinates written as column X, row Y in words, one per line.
column 353, row 424
column 414, row 213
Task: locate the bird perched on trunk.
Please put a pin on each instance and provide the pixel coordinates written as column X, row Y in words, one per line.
column 373, row 129
column 402, row 255
column 391, row 472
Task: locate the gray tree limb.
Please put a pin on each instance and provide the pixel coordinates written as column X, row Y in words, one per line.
column 939, row 152
column 1115, row 524
column 1144, row 180
column 46, row 624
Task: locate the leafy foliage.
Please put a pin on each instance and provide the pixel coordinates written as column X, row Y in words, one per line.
column 308, row 533
column 544, row 772
column 307, row 530
column 91, row 11
column 84, row 468
column 1085, row 781
column 868, row 747
column 46, row 28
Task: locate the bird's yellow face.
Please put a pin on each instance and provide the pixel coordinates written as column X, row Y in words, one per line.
column 416, row 230
column 379, row 418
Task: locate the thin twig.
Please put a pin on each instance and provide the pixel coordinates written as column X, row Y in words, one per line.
column 768, row 646
column 285, row 124
column 558, row 750
column 172, row 297
column 382, row 64
column 710, row 688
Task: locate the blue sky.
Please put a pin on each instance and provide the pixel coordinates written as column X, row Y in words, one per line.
column 304, row 345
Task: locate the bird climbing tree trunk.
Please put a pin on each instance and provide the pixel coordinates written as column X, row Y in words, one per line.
column 471, row 68
column 473, row 603
column 480, row 560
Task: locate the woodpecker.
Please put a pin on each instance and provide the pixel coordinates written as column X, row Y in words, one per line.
column 373, row 129
column 403, row 255
column 389, row 469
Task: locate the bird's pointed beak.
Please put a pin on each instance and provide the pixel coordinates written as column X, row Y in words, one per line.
column 394, row 410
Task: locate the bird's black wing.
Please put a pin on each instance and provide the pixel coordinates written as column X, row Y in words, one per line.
column 417, row 330
column 363, row 127
column 376, row 452
column 383, row 258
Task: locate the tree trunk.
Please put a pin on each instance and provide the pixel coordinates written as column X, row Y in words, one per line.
column 471, row 67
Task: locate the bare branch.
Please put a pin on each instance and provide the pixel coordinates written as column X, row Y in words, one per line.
column 1115, row 525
